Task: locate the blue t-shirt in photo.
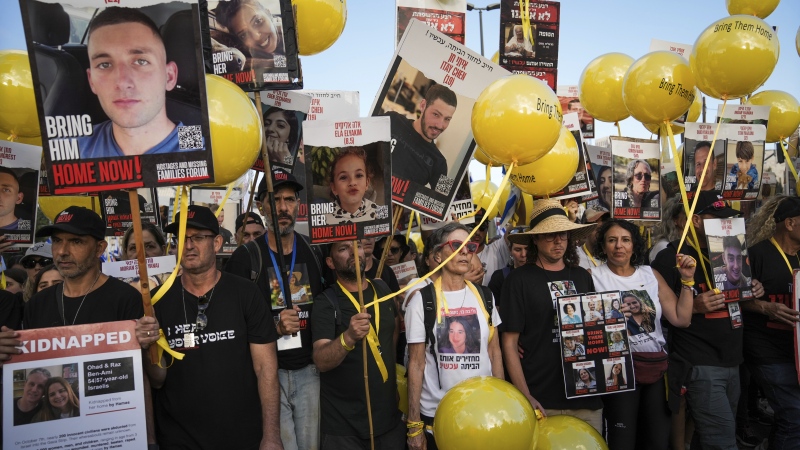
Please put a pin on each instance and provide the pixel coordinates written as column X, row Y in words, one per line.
column 101, row 144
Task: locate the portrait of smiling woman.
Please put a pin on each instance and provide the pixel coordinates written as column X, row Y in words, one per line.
column 60, row 401
column 254, row 27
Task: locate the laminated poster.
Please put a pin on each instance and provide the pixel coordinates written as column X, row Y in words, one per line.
column 636, row 170
column 19, row 177
column 284, row 113
column 446, row 16
column 727, row 249
column 570, row 102
column 117, row 210
column 536, row 55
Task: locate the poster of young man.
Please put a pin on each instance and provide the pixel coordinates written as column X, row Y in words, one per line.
column 428, row 93
column 696, row 150
column 592, row 345
column 117, row 214
column 571, row 103
column 105, row 128
column 727, row 248
column 537, row 53
column 600, row 160
column 636, row 169
column 284, row 113
column 348, row 164
column 19, row 187
column 446, row 16
column 84, row 383
column 226, row 214
column 579, row 184
column 254, row 44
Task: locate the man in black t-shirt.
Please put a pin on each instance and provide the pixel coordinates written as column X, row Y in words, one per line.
column 299, row 378
column 769, row 321
column 415, row 155
column 528, row 309
column 224, row 393
column 26, row 406
column 338, row 331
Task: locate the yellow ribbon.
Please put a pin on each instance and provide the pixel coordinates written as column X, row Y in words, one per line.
column 372, row 336
column 788, row 160
column 441, row 303
column 780, row 250
column 589, row 254
column 2, row 281
column 619, row 130
column 524, row 12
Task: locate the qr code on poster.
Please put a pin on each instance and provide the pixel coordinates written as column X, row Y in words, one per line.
column 280, row 61
column 444, row 185
column 383, row 212
column 190, row 138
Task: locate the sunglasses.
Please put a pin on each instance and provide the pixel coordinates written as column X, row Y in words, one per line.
column 471, row 247
column 395, row 250
column 640, row 175
column 202, row 305
column 31, row 263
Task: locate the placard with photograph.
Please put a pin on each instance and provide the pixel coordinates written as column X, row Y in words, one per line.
column 636, row 168
column 20, row 166
column 116, row 210
column 284, row 113
column 579, row 184
column 106, row 129
column 462, row 209
column 603, row 174
column 727, row 249
column 446, row 16
column 348, row 164
column 537, row 54
column 211, row 197
column 744, row 162
column 428, row 93
column 571, row 103
column 697, row 149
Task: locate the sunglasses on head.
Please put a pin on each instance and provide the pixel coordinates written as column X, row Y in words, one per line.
column 646, row 176
column 202, row 305
column 31, row 263
column 471, row 247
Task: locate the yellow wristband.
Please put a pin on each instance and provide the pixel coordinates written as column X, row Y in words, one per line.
column 341, row 339
column 689, row 283
column 415, row 424
column 415, row 433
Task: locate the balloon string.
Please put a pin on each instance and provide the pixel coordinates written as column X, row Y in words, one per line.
column 485, row 191
column 492, row 204
column 788, row 159
column 700, row 182
column 224, row 199
column 619, row 130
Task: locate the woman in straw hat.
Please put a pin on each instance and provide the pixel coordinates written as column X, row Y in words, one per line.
column 640, row 418
column 455, row 300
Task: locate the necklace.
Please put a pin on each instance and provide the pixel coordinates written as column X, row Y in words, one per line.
column 205, row 307
column 63, row 308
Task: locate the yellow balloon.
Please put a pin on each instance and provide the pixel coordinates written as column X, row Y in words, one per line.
column 734, row 56
column 235, row 131
column 52, row 205
column 784, row 113
column 553, row 171
column 18, row 114
column 496, row 57
column 417, row 238
column 319, row 24
column 484, row 412
column 524, row 209
column 402, row 383
column 600, row 87
column 36, row 140
column 797, row 41
column 659, row 86
column 506, row 113
column 694, row 113
column 568, row 433
column 483, row 193
column 758, row 8
column 482, row 157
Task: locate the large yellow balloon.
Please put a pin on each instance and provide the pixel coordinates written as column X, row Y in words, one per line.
column 600, row 87
column 235, row 131
column 659, row 86
column 507, row 113
column 568, row 433
column 734, row 56
column 402, row 382
column 484, row 412
column 483, row 193
column 784, row 113
column 553, row 171
column 694, row 113
column 18, row 114
column 52, row 205
column 482, row 157
column 319, row 24
column 37, row 140
column 758, row 8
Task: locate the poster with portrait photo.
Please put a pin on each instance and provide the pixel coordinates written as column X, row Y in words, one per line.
column 102, row 131
column 76, row 380
column 212, row 198
column 462, row 209
column 560, row 289
column 254, row 44
column 579, row 185
column 348, row 164
column 573, row 345
column 569, row 312
column 535, row 55
column 446, row 16
column 569, row 97
column 699, row 138
column 428, row 93
column 603, row 175
column 116, row 209
column 744, row 166
column 585, row 378
column 617, row 339
column 19, row 179
column 727, row 249
column 299, row 286
column 618, row 374
column 612, row 304
column 592, row 309
column 459, row 332
column 636, row 168
column 284, row 113
column 643, row 314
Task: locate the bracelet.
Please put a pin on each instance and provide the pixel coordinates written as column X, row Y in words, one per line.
column 687, row 287
column 341, row 339
column 689, row 283
column 415, row 433
column 415, row 424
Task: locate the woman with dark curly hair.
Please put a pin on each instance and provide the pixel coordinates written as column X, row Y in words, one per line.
column 60, row 401
column 282, row 132
column 460, row 337
column 646, row 297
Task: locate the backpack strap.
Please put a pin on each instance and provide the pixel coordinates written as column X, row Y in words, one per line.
column 506, row 271
column 315, row 251
column 429, row 314
column 255, row 260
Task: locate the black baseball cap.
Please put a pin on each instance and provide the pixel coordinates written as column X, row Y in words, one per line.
column 280, row 178
column 786, row 209
column 251, row 218
column 77, row 220
column 710, row 202
column 199, row 217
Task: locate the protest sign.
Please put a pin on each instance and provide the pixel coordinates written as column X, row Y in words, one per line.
column 600, row 159
column 745, row 128
column 130, row 268
column 404, row 272
column 212, row 198
column 448, row 16
column 108, row 131
column 636, row 170
column 284, row 113
column 727, row 249
column 568, row 96
column 462, row 209
column 117, row 210
column 536, row 54
column 579, row 184
column 657, row 45
column 428, row 93
column 19, row 176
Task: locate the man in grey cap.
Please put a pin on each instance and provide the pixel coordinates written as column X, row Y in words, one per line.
column 37, row 256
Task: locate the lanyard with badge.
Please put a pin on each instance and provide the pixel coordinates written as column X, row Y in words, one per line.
column 289, row 341
column 372, row 336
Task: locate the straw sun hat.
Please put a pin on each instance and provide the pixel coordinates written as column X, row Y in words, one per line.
column 548, row 216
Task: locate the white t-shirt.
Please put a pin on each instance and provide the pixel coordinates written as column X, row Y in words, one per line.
column 644, row 285
column 470, row 330
column 583, row 259
column 495, row 256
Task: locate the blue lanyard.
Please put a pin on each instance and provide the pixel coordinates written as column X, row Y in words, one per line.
column 275, row 263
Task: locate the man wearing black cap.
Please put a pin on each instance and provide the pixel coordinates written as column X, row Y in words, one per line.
column 768, row 348
column 221, row 324
column 704, row 358
column 251, row 230
column 299, row 377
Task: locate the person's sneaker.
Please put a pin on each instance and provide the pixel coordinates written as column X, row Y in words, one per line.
column 746, row 438
column 761, row 416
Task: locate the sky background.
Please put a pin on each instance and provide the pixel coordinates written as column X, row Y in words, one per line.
column 359, row 59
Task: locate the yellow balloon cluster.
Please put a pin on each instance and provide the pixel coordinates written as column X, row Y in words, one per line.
column 482, row 157
column 484, row 412
column 734, row 56
column 600, row 87
column 758, row 8
column 694, row 113
column 319, row 24
column 18, row 114
column 784, row 113
column 553, row 171
column 658, row 87
column 506, row 113
column 568, row 433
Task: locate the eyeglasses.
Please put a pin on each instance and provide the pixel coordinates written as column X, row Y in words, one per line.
column 471, row 247
column 550, row 237
column 646, row 176
column 31, row 263
column 202, row 305
column 199, row 238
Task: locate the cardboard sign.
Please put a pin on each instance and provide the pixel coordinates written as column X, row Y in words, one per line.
column 603, row 174
column 19, row 177
column 570, row 102
column 212, row 198
column 116, row 210
column 727, row 248
column 284, row 113
column 536, row 55
column 579, row 185
column 636, row 171
column 447, row 17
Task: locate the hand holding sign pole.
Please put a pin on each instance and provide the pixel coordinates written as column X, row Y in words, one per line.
column 142, row 262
